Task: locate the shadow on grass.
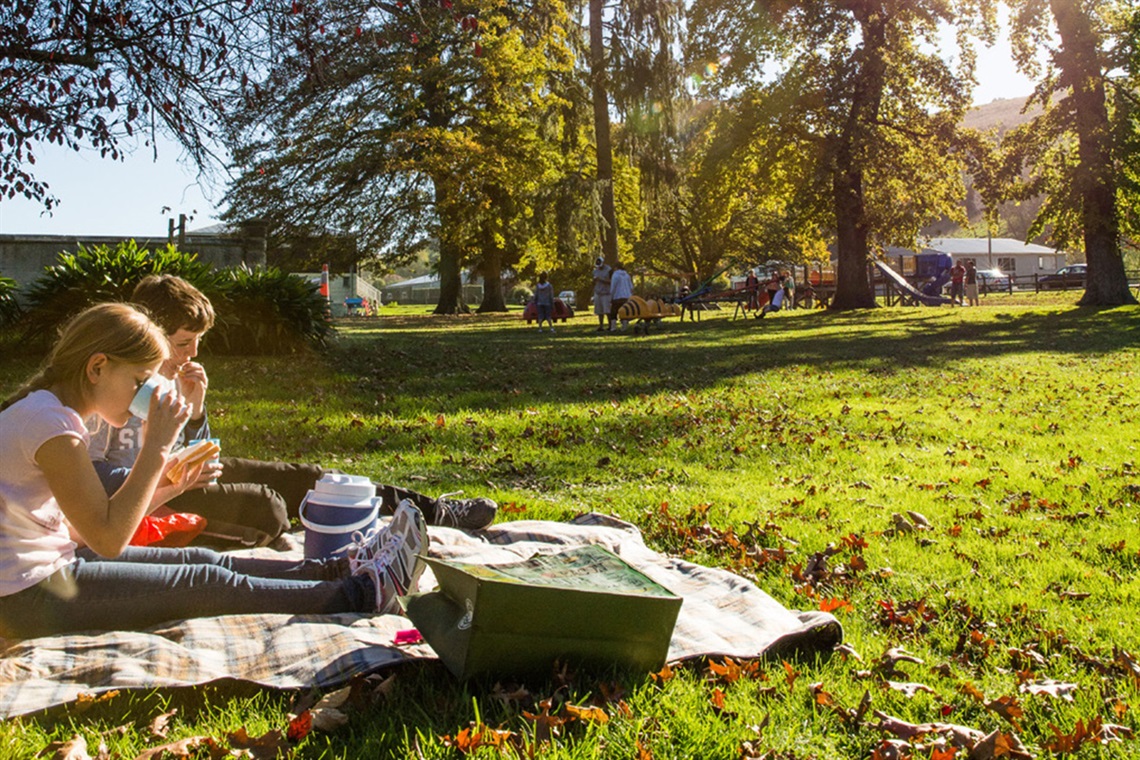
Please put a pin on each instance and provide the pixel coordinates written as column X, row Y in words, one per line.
column 495, row 363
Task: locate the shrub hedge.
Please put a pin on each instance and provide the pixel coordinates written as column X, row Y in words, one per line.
column 9, row 307
column 259, row 311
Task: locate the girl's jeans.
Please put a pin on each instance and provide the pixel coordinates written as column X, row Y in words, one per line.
column 144, row 586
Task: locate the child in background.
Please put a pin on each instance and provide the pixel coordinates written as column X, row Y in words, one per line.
column 246, row 502
column 544, row 301
column 50, row 494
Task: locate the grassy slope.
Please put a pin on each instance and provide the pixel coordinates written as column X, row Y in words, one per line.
column 1012, row 428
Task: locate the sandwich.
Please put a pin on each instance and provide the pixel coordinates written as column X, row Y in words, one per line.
column 190, row 457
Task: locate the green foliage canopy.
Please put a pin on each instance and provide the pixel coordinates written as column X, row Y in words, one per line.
column 855, row 109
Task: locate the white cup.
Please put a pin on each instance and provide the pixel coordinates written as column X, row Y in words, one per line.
column 140, row 406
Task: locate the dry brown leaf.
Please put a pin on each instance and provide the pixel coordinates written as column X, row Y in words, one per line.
column 1033, row 657
column 790, row 674
column 181, row 748
column 160, row 726
column 997, row 745
column 959, row 736
column 848, row 651
column 591, row 714
column 970, row 690
column 271, row 744
column 663, row 675
column 86, row 701
column 328, row 719
column 334, row 699
column 74, row 748
column 901, row 524
column 909, row 689
column 508, row 695
column 901, row 728
column 898, row 654
column 1049, row 688
column 891, row 749
column 1007, row 707
column 918, row 518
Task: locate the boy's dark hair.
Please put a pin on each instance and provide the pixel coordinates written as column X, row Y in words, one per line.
column 174, row 304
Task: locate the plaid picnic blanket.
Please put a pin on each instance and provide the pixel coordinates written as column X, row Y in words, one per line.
column 721, row 614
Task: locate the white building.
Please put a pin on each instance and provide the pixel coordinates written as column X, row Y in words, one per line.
column 425, row 289
column 1012, row 257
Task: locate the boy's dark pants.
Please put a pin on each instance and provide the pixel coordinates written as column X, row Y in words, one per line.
column 252, row 503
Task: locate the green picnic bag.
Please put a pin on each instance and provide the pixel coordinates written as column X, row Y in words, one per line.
column 584, row 607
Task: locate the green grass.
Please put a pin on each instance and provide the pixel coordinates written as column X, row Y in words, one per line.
column 1012, row 428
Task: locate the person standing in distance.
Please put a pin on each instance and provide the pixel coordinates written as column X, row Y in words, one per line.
column 601, row 292
column 544, row 301
column 971, row 283
column 621, row 290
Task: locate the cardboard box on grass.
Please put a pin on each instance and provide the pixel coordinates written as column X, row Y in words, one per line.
column 585, row 607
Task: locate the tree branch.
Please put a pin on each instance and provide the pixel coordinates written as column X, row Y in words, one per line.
column 20, row 53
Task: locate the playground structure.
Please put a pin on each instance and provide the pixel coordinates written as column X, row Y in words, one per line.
column 647, row 312
column 907, row 280
column 815, row 287
column 918, row 281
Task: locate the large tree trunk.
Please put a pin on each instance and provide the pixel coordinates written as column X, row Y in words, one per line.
column 1106, row 283
column 602, row 140
column 852, row 286
column 492, row 267
column 450, row 255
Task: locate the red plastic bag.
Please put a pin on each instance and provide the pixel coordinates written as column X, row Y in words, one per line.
column 175, row 529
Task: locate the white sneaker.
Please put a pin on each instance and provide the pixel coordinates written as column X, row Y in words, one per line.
column 391, row 556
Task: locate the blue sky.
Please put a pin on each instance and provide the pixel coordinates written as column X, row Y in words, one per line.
column 103, row 197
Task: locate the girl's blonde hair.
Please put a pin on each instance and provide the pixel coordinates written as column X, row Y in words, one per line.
column 118, row 330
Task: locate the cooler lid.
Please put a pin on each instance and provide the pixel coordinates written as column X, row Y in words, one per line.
column 339, row 484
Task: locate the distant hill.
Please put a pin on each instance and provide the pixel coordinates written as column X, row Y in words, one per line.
column 1003, row 114
column 1016, row 216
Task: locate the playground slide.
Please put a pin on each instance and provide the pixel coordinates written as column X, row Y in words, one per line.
column 910, row 290
column 934, row 287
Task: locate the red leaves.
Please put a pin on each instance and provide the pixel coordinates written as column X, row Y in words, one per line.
column 299, row 726
column 730, row 671
column 836, row 604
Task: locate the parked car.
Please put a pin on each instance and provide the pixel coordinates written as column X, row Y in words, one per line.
column 569, row 298
column 1072, row 276
column 993, row 280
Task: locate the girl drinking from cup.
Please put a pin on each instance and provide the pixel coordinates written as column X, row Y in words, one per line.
column 51, row 498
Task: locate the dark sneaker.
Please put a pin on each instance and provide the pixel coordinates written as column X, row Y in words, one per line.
column 465, row 514
column 391, row 556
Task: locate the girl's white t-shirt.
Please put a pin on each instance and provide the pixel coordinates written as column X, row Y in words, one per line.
column 34, row 540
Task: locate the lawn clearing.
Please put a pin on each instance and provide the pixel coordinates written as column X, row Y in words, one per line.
column 793, row 451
